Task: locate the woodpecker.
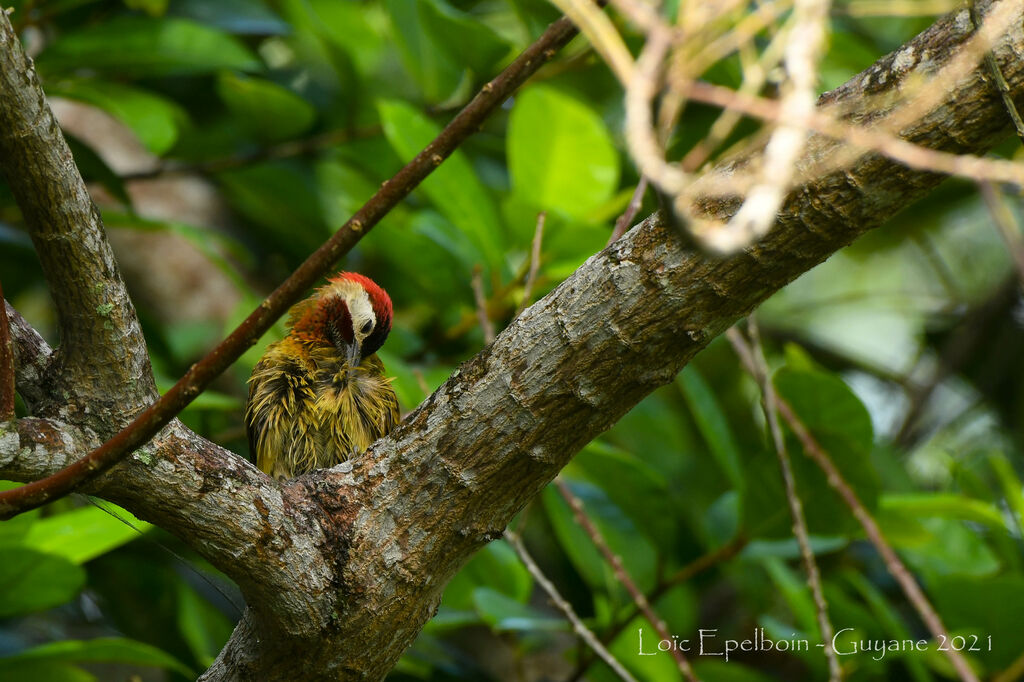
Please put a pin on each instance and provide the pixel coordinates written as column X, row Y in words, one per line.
column 319, row 395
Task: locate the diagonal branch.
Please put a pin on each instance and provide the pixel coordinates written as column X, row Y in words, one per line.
column 160, row 413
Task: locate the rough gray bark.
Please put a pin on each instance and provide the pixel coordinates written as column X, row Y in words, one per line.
column 101, row 343
column 342, row 567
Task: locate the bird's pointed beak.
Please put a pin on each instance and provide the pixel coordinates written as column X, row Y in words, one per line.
column 354, row 354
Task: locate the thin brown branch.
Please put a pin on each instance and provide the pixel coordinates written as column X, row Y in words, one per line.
column 874, row 534
column 684, row 574
column 625, row 220
column 585, row 633
column 160, row 413
column 756, row 364
column 6, row 364
column 480, row 298
column 622, row 575
column 531, row 275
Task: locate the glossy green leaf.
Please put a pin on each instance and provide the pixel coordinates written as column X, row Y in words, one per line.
column 842, row 427
column 441, row 46
column 946, row 505
column 280, row 200
column 204, row 628
column 144, row 46
column 505, row 614
column 240, row 17
column 42, row 671
column 453, row 188
column 560, row 154
column 950, row 548
column 101, row 650
column 31, row 581
column 977, row 609
column 84, row 533
column 263, row 108
column 495, row 567
column 153, row 119
column 712, row 422
column 618, row 530
column 637, row 488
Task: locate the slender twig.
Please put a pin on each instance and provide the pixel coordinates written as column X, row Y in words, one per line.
column 625, row 220
column 684, row 574
column 160, row 413
column 562, row 605
column 531, row 275
column 893, row 563
column 874, row 139
column 481, row 305
column 778, row 165
column 997, row 76
column 1006, row 223
column 756, row 356
column 6, row 364
column 622, row 575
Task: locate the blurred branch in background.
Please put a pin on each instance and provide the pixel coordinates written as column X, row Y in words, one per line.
column 623, row 577
column 755, row 363
column 896, row 567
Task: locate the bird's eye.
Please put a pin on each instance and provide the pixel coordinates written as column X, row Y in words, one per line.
column 367, row 327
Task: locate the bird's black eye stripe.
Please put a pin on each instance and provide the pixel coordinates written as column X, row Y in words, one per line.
column 367, row 327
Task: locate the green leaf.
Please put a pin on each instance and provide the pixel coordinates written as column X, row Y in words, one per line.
column 950, row 548
column 241, row 17
column 84, row 533
column 42, row 671
column 504, row 614
column 204, row 628
column 152, row 118
column 265, row 109
column 841, row 425
column 560, row 155
column 279, row 198
column 453, row 188
column 32, row 581
column 143, row 46
column 712, row 422
column 946, row 505
column 634, row 486
column 969, row 606
column 101, row 650
column 496, row 567
column 438, row 44
column 618, row 530
column 12, row 531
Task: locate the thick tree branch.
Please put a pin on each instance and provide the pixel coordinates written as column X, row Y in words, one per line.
column 21, row 113
column 376, row 539
column 102, row 366
column 32, row 357
column 6, row 364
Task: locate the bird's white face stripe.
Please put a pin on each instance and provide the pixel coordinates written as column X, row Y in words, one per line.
column 359, row 307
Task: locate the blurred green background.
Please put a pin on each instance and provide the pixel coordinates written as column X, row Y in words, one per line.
column 225, row 141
